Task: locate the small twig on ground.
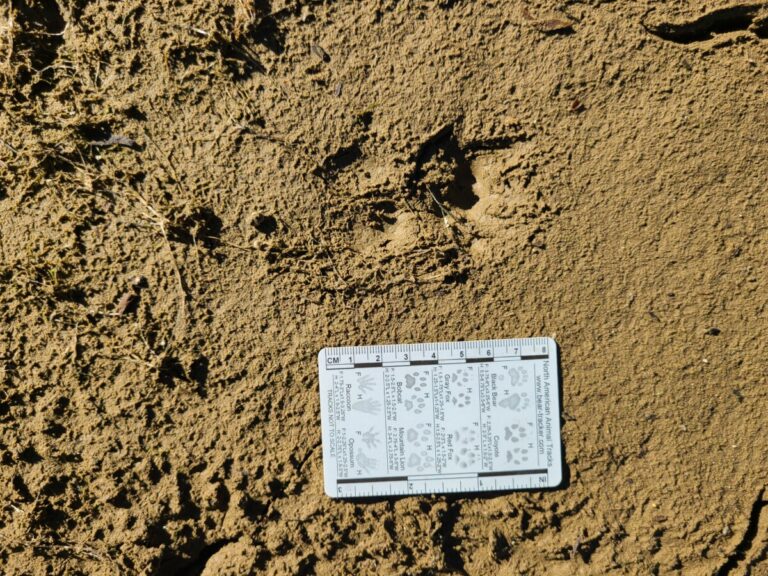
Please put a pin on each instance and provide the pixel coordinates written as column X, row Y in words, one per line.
column 445, row 213
column 328, row 255
column 168, row 163
column 159, row 220
column 75, row 548
column 453, row 224
column 16, row 509
column 11, row 148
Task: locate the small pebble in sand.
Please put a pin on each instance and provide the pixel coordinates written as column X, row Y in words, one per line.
column 138, row 282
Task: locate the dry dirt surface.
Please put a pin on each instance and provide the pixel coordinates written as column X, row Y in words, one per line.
column 196, row 196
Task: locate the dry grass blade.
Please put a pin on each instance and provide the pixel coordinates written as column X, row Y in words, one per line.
column 553, row 25
column 9, row 147
column 558, row 23
column 160, row 223
column 115, row 140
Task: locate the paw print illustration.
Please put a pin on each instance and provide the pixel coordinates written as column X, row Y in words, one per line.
column 415, row 404
column 367, row 406
column 515, row 401
column 421, row 435
column 465, row 435
column 460, row 388
column 461, row 377
column 421, row 461
column 366, row 382
column 418, row 386
column 416, row 382
column 518, row 376
column 371, row 438
column 365, row 462
column 427, row 461
column 517, row 455
column 514, row 433
column 464, row 457
column 461, row 399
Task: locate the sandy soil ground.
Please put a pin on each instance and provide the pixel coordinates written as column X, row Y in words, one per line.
column 195, row 197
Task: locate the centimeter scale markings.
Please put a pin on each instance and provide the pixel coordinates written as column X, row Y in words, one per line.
column 440, row 417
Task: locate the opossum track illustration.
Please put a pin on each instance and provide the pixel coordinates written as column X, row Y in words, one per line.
column 366, row 463
column 371, row 438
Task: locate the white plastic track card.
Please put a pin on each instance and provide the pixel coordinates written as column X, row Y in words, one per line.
column 442, row 417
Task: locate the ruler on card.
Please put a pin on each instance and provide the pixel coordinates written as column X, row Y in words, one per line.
column 440, row 417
